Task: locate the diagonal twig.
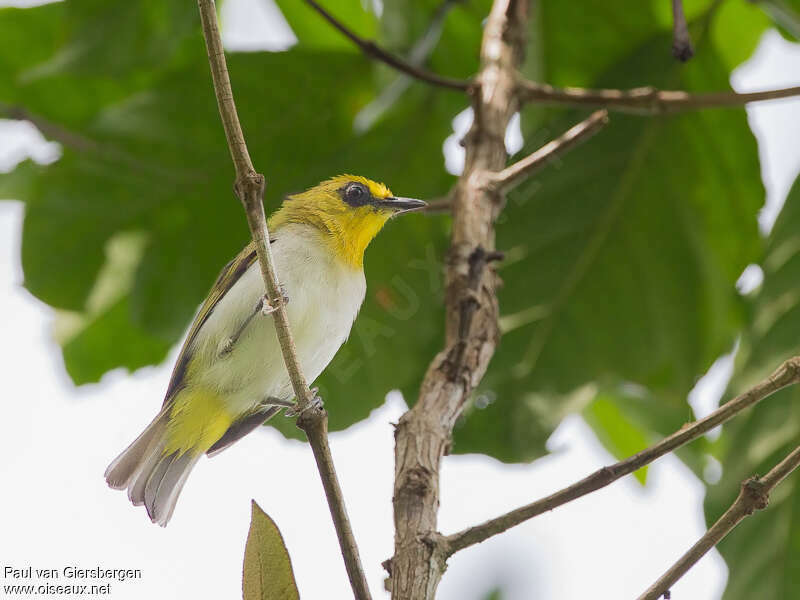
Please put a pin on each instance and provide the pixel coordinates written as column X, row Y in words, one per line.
column 643, row 100
column 787, row 374
column 372, row 50
column 753, row 495
column 249, row 188
column 416, row 57
column 514, row 174
column 682, row 48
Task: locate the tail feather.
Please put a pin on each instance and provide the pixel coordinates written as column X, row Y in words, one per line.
column 125, row 467
column 136, row 489
column 166, row 495
column 152, row 476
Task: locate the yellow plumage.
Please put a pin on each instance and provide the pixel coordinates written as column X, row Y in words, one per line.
column 353, row 228
column 229, row 377
column 198, row 418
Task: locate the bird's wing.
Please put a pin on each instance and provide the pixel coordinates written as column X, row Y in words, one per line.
column 230, row 275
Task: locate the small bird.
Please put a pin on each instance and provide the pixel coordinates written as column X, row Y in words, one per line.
column 230, row 376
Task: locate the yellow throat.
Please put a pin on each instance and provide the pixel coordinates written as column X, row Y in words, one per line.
column 348, row 229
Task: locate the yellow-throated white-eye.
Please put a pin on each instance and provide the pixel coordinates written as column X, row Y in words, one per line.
column 230, row 377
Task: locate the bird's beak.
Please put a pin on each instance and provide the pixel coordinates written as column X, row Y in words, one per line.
column 401, row 205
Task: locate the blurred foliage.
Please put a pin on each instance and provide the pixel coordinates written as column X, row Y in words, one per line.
column 786, row 16
column 267, row 572
column 764, row 551
column 622, row 257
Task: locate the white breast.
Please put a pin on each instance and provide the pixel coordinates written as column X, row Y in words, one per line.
column 324, row 298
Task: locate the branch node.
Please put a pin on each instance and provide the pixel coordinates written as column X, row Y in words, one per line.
column 755, row 495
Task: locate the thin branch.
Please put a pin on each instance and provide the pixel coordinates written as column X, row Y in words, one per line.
column 50, row 130
column 753, row 496
column 643, row 100
column 417, row 56
column 249, row 188
column 374, row 51
column 682, row 48
column 440, row 205
column 514, row 174
column 787, row 374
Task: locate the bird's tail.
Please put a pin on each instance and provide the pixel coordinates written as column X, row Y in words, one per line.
column 153, row 475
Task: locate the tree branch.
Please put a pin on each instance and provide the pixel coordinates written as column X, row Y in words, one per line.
column 643, row 100
column 753, row 496
column 682, row 48
column 249, row 188
column 423, row 434
column 514, row 174
column 374, row 51
column 787, row 374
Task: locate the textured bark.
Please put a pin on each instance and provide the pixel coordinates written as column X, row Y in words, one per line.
column 423, row 435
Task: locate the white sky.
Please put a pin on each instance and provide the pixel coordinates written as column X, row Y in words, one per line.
column 56, row 441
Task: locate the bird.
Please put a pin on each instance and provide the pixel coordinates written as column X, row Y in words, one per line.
column 229, row 377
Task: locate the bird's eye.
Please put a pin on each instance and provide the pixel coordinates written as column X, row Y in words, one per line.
column 356, row 194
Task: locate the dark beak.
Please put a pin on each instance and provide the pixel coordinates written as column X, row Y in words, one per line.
column 401, row 204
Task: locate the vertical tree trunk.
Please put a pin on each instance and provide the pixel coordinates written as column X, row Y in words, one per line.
column 423, row 434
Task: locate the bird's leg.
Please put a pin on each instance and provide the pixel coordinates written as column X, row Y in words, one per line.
column 264, row 307
column 228, row 344
column 316, row 402
column 273, row 401
column 270, row 306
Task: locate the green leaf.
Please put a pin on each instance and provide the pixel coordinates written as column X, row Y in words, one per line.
column 495, row 594
column 268, row 573
column 629, row 249
column 617, row 433
column 156, row 162
column 94, row 351
column 620, row 266
column 763, row 552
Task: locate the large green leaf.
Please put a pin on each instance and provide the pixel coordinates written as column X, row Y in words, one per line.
column 629, row 248
column 155, row 161
column 763, row 553
column 620, row 267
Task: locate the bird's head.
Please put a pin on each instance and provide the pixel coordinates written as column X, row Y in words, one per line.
column 349, row 210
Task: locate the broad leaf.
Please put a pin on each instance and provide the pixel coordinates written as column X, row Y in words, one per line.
column 763, row 552
column 629, row 248
column 268, row 571
column 156, row 162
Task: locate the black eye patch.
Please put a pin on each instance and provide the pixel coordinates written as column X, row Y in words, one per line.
column 356, row 194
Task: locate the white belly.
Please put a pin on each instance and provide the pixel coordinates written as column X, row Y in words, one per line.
column 324, row 298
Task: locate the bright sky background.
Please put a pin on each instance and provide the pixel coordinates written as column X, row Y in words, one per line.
column 56, row 441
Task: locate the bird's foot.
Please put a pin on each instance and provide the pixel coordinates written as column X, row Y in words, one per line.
column 270, row 306
column 315, row 404
column 226, row 346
